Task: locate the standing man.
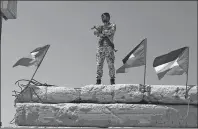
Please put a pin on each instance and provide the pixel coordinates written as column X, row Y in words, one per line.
column 105, row 48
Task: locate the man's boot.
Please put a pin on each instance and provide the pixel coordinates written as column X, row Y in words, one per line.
column 112, row 80
column 98, row 81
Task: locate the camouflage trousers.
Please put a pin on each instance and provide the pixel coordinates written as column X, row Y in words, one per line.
column 102, row 53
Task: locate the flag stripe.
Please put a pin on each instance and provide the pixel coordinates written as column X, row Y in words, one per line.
column 176, row 70
column 135, row 62
column 121, row 69
column 166, row 66
column 136, row 48
column 163, row 67
column 161, row 74
column 168, row 57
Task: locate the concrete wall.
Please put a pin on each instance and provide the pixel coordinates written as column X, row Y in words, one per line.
column 105, row 115
column 121, row 105
column 120, row 93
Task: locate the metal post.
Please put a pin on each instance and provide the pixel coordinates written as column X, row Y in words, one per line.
column 145, row 60
column 1, row 17
column 186, row 96
column 0, row 56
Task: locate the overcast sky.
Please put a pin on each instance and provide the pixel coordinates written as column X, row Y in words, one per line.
column 71, row 61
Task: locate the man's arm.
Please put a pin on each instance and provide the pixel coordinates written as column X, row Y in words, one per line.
column 110, row 31
column 98, row 31
column 99, row 34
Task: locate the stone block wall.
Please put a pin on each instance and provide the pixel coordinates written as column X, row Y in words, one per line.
column 120, row 105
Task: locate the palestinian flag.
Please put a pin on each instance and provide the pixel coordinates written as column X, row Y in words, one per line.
column 135, row 58
column 36, row 56
column 174, row 63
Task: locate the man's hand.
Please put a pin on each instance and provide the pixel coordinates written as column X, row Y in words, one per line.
column 94, row 27
column 96, row 32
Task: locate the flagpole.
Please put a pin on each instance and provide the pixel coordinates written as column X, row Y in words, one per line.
column 0, row 47
column 186, row 83
column 145, row 60
column 34, row 73
column 186, row 96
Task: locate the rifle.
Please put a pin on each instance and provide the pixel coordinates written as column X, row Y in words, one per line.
column 105, row 38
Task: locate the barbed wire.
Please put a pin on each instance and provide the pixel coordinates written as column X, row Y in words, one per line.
column 23, row 88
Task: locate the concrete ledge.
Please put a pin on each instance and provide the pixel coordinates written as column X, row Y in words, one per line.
column 49, row 94
column 171, row 94
column 119, row 93
column 105, row 115
column 92, row 127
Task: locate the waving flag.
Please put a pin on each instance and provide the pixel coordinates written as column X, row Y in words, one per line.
column 136, row 58
column 36, row 56
column 174, row 63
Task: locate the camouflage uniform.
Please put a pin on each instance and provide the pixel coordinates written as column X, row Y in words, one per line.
column 104, row 50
